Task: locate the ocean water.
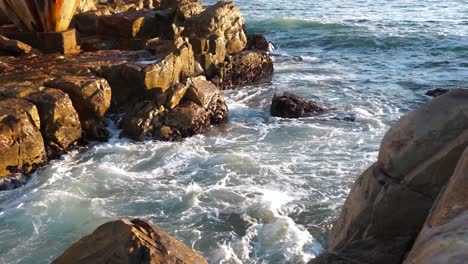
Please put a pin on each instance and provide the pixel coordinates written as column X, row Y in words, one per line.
column 258, row 189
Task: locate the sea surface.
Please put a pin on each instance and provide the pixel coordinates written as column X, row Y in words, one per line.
column 258, row 189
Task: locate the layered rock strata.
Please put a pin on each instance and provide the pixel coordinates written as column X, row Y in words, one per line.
column 152, row 62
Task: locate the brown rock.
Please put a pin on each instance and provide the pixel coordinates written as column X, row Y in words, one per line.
column 60, row 125
column 140, row 122
column 20, row 137
column 201, row 92
column 257, row 42
column 222, row 19
column 244, row 68
column 13, row 47
column 91, row 97
column 409, row 151
column 444, row 236
column 176, row 3
column 292, row 106
column 125, row 241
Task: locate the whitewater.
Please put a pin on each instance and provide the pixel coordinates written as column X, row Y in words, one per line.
column 259, row 189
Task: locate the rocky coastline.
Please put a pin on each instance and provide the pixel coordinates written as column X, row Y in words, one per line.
column 158, row 68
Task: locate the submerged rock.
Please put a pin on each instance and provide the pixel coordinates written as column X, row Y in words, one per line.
column 292, row 106
column 390, row 202
column 13, row 181
column 129, row 242
column 437, row 92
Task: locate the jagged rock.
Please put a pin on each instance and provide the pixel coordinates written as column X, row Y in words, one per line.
column 91, row 97
column 437, row 92
column 203, row 105
column 244, row 68
column 20, row 137
column 390, row 202
column 13, row 47
column 186, row 10
column 86, row 5
column 176, row 3
column 444, row 236
column 60, row 125
column 222, row 19
column 257, row 42
column 292, row 106
column 125, row 242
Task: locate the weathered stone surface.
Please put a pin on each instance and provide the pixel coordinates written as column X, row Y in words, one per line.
column 176, row 3
column 409, row 152
column 201, row 92
column 391, row 201
column 202, row 106
column 257, row 42
column 222, row 19
column 244, row 68
column 20, row 137
column 86, row 5
column 444, row 238
column 60, row 125
column 13, row 47
column 48, row 42
column 125, row 241
column 91, row 97
column 292, row 106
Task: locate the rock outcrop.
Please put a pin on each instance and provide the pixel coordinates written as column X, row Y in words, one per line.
column 292, row 106
column 443, row 239
column 20, row 137
column 158, row 64
column 390, row 202
column 125, row 242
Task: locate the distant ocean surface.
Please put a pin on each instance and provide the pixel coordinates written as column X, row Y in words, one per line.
column 259, row 189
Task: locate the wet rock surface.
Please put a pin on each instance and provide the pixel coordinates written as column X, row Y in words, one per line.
column 159, row 64
column 416, row 189
column 125, row 241
column 292, row 106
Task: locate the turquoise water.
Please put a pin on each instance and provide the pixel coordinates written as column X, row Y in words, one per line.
column 259, row 189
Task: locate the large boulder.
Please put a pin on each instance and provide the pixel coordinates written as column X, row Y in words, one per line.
column 243, row 68
column 409, row 151
column 200, row 105
column 444, row 237
column 91, row 97
column 390, row 202
column 126, row 242
column 20, row 137
column 292, row 106
column 60, row 125
column 13, row 47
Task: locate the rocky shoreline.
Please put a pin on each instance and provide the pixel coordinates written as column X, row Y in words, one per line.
column 411, row 206
column 161, row 66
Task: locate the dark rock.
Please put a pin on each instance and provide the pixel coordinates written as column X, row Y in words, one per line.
column 124, row 242
column 257, row 42
column 437, row 92
column 243, row 68
column 13, row 47
column 292, row 106
column 13, row 181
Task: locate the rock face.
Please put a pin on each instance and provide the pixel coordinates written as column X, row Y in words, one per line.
column 20, row 137
column 126, row 242
column 390, row 202
column 443, row 238
column 292, row 106
column 157, row 64
column 243, row 68
column 257, row 42
column 200, row 106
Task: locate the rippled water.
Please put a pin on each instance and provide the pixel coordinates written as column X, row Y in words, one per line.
column 259, row 189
